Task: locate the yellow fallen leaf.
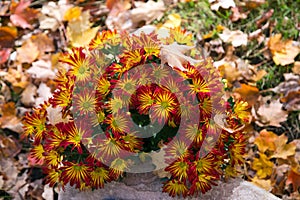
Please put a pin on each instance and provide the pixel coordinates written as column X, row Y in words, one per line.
column 82, row 38
column 283, row 150
column 174, row 20
column 263, row 166
column 72, row 14
column 265, row 184
column 266, row 141
column 283, row 52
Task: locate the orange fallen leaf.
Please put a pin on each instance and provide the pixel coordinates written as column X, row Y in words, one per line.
column 229, row 72
column 9, row 119
column 263, row 166
column 8, row 35
column 266, row 141
column 248, row 93
column 296, row 68
column 111, row 3
column 294, row 179
column 283, row 52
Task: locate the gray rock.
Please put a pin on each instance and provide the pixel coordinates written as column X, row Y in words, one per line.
column 146, row 187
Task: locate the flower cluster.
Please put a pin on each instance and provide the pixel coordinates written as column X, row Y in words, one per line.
column 116, row 100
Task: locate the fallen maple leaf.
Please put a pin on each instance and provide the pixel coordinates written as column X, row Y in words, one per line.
column 52, row 15
column 236, row 38
column 143, row 13
column 44, row 92
column 147, row 12
column 73, row 14
column 266, row 141
column 8, row 35
column 17, row 79
column 269, row 112
column 230, row 73
column 9, row 119
column 28, row 95
column 236, row 14
column 28, row 52
column 265, row 184
column 173, row 54
column 293, row 178
column 263, row 166
column 22, row 15
column 43, row 43
column 79, row 31
column 283, row 52
column 283, row 150
column 174, row 20
column 248, row 93
column 216, row 4
column 296, row 68
column 41, row 69
column 4, row 55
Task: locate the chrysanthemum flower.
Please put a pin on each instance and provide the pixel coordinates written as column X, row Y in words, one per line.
column 103, row 86
column 175, row 187
column 206, row 106
column 54, row 137
column 61, row 97
column 117, row 167
column 84, row 102
column 74, row 136
column 165, row 105
column 194, row 133
column 149, row 42
column 179, row 169
column 132, row 58
column 146, row 99
column 53, row 158
column 81, row 63
column 177, row 149
column 201, row 183
column 118, row 80
column 36, row 155
column 75, row 173
column 205, row 164
column 118, row 123
column 241, row 109
column 159, row 72
column 181, row 36
column 126, row 84
column 35, row 124
column 99, row 41
column 108, row 148
column 99, row 176
column 199, row 85
column 53, row 176
column 131, row 142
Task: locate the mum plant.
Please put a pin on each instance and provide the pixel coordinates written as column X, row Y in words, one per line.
column 127, row 98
